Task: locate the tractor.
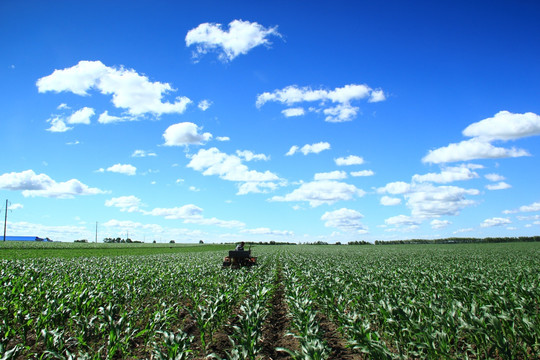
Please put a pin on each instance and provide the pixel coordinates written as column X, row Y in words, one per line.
column 239, row 258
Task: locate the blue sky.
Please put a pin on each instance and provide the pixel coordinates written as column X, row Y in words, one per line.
column 259, row 121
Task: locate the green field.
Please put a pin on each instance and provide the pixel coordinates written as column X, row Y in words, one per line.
column 172, row 301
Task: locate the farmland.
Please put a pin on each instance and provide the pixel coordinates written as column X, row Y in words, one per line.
column 302, row 302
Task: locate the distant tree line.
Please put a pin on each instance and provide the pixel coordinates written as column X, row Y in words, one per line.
column 122, row 241
column 460, row 240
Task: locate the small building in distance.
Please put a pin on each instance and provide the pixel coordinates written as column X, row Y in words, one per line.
column 24, row 238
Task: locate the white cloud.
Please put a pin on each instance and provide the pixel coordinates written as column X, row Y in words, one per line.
column 469, row 150
column 345, row 220
column 249, row 155
column 496, row 221
column 185, row 133
column 230, row 167
column 526, row 208
column 81, row 116
column 362, row 173
column 390, row 201
column 439, row 224
column 343, row 96
column 125, row 169
column 32, row 184
column 494, row 177
column 427, row 201
column 322, row 192
column 309, row 149
column 142, row 153
column 499, row 186
column 395, row 188
column 349, row 160
column 333, row 175
column 129, row 90
column 15, row 206
column 58, row 124
column 105, row 118
column 125, row 203
column 223, row 138
column 448, row 174
column 298, row 111
column 505, row 126
column 204, row 104
column 241, row 37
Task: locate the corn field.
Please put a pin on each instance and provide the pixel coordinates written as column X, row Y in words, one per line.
column 301, row 302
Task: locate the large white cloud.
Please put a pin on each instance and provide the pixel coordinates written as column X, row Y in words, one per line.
column 428, row 201
column 230, row 167
column 471, row 149
column 241, row 37
column 502, row 126
column 185, row 133
column 505, row 126
column 130, row 90
column 395, row 188
column 333, row 175
column 344, row 219
column 32, row 184
column 342, row 97
column 322, row 192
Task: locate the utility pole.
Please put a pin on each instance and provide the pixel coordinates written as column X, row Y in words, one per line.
column 5, row 220
column 96, row 231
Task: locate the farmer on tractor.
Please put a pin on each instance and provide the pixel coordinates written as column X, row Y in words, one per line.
column 239, row 257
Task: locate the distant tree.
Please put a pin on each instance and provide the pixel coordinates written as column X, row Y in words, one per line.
column 154, row 241
column 201, row 242
column 172, row 242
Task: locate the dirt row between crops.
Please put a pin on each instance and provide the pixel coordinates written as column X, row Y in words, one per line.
column 275, row 333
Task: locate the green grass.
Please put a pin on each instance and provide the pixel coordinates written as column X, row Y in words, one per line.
column 26, row 250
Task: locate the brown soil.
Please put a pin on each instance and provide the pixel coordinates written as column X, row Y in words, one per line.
column 335, row 341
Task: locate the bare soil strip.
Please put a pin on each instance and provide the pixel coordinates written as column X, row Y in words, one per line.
column 274, row 332
column 335, row 341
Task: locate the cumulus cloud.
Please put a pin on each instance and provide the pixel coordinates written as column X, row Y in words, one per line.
column 125, row 169
column 297, row 111
column 309, row 149
column 448, row 174
column 494, row 177
column 241, row 37
column 402, row 220
column 32, row 185
column 395, row 188
column 125, row 203
column 505, row 126
column 362, row 173
column 223, row 138
column 230, row 167
column 342, row 97
column 130, row 91
column 177, row 213
column 204, row 104
column 427, row 201
column 333, row 175
column 496, row 221
column 322, row 192
column 525, row 208
column 249, row 155
column 502, row 126
column 344, row 219
column 499, row 186
column 470, row 150
column 349, row 160
column 183, row 134
column 105, row 118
